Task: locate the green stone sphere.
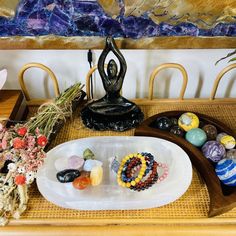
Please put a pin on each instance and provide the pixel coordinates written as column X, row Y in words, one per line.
column 196, row 137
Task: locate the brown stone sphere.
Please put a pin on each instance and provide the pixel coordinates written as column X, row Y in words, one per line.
column 211, row 131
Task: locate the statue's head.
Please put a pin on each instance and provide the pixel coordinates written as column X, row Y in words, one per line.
column 112, row 69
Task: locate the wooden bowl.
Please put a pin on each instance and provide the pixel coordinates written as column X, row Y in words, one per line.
column 222, row 197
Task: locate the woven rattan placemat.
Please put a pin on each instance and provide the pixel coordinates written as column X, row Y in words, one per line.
column 193, row 204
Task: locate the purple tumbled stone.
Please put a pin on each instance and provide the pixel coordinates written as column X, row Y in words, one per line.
column 75, row 162
column 214, row 151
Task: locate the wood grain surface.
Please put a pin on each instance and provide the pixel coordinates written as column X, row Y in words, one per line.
column 11, row 104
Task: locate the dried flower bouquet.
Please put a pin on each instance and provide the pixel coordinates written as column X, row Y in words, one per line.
column 22, row 151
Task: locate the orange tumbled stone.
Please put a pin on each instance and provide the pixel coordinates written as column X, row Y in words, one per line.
column 81, row 182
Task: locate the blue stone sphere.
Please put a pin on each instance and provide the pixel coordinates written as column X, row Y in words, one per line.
column 226, row 171
column 196, row 137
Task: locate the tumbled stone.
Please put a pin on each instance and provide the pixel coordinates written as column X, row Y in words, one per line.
column 61, row 163
column 96, row 175
column 90, row 164
column 66, row 176
column 75, row 162
column 82, row 182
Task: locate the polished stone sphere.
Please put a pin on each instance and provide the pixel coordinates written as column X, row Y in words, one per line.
column 174, row 121
column 163, row 123
column 226, row 171
column 196, row 136
column 219, row 136
column 231, row 154
column 188, row 121
column 213, row 151
column 176, row 130
column 211, row 131
column 228, row 141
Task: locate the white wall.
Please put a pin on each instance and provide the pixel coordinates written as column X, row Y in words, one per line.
column 71, row 66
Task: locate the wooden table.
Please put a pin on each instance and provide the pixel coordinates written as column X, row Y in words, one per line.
column 186, row 216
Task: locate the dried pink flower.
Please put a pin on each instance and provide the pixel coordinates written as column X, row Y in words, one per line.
column 23, row 148
column 4, row 143
column 31, row 141
column 1, row 127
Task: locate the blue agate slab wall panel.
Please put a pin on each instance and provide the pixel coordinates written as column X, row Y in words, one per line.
column 129, row 20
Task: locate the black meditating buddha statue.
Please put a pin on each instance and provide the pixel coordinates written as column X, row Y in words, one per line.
column 112, row 112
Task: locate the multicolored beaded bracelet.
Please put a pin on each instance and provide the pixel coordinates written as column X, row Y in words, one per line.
column 134, row 162
column 149, row 161
column 133, row 167
column 128, row 182
column 147, row 182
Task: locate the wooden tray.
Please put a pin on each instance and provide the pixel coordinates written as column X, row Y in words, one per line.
column 222, row 198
